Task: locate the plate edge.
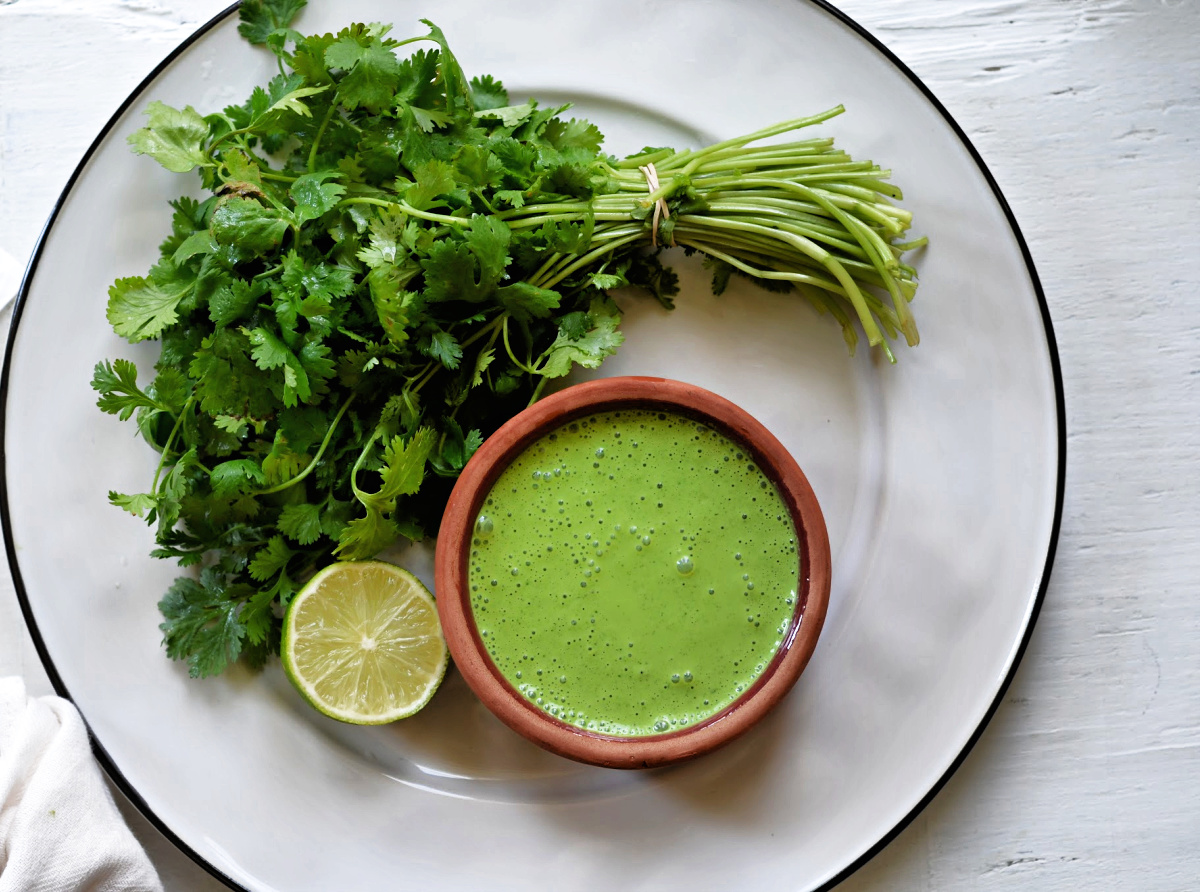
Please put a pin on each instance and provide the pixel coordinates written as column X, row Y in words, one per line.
column 1061, row 424
column 101, row 754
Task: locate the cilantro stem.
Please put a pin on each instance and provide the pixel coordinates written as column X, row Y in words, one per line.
column 226, row 135
column 162, row 459
column 815, row 151
column 772, row 216
column 537, row 391
column 316, row 458
column 555, row 207
column 492, row 326
column 312, row 153
column 278, row 177
column 534, row 222
column 703, row 242
column 560, row 264
column 546, row 266
column 363, row 497
column 408, row 209
column 425, row 376
column 903, row 247
column 689, row 160
column 636, row 161
column 267, row 273
column 525, row 367
column 416, row 39
column 591, row 257
column 816, row 252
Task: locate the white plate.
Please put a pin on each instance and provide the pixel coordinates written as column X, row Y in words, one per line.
column 940, row 477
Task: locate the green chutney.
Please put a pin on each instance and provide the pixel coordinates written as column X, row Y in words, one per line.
column 633, row 572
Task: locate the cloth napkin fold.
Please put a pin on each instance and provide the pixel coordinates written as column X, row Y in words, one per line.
column 59, row 827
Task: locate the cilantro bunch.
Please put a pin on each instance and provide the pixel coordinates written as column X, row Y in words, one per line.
column 393, row 259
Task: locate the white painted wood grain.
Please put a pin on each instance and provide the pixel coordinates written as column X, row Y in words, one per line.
column 1088, row 114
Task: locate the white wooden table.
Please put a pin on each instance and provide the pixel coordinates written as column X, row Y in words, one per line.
column 1088, row 114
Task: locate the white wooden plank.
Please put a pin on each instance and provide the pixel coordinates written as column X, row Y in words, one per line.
column 1088, row 113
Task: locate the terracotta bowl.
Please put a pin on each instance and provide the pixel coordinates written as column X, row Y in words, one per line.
column 453, row 597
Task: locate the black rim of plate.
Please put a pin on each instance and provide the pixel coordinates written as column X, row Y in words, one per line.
column 1051, row 346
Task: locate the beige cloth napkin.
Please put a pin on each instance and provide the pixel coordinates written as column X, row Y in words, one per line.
column 59, row 827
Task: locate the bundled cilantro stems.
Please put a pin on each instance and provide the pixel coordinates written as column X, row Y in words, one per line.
column 390, row 262
column 799, row 213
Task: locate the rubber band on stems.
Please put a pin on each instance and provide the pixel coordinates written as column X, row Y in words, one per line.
column 661, row 211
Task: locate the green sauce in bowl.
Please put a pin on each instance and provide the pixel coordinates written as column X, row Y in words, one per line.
column 633, row 572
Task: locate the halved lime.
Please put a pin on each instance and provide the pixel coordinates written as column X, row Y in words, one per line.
column 362, row 643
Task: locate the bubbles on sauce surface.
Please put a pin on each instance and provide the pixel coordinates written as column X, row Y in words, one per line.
column 576, row 501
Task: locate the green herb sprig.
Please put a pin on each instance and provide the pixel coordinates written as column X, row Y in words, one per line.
column 391, row 261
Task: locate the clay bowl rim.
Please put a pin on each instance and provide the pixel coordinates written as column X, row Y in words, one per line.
column 453, row 548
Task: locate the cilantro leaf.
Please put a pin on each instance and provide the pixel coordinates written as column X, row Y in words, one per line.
column 270, row 559
column 433, row 178
column 174, row 138
column 366, row 536
column 457, row 449
column 303, row 426
column 468, row 270
column 236, row 475
column 428, row 119
column 248, row 226
column 139, row 308
column 201, row 624
column 313, row 197
column 444, row 347
column 260, row 18
column 566, row 237
column 573, row 134
column 607, row 281
column 419, row 78
column 524, row 301
column 405, row 465
column 514, row 198
column 574, row 326
column 197, row 243
column 138, row 504
column 290, row 102
column 170, row 389
column 228, row 381
column 488, row 93
column 258, row 618
column 116, row 382
column 647, row 272
column 301, row 522
column 269, row 351
column 318, row 280
column 458, row 90
column 272, row 353
column 372, row 73
column 392, row 304
column 234, row 300
column 509, row 115
column 282, row 462
column 482, row 361
column 600, row 341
